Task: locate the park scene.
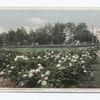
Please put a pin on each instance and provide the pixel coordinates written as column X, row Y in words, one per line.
column 49, row 49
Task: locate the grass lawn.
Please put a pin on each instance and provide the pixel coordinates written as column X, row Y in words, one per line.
column 24, row 50
column 96, row 80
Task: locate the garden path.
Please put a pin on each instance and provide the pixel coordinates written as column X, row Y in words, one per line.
column 96, row 81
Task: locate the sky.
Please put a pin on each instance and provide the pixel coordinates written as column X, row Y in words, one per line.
column 12, row 19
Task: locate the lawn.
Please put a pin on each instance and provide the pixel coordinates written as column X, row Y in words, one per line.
column 96, row 68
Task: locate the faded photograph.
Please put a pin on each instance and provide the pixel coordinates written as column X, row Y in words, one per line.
column 49, row 48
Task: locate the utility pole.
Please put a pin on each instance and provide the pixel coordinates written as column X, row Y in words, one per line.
column 97, row 32
column 96, row 37
column 52, row 38
column 92, row 34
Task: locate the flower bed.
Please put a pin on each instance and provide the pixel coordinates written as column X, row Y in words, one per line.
column 48, row 68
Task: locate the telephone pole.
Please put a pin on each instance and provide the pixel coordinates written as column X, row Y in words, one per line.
column 92, row 34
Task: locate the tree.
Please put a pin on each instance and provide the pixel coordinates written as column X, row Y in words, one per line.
column 11, row 37
column 84, row 36
column 58, row 33
column 4, row 38
column 32, row 37
column 70, row 30
column 21, row 36
column 42, row 36
column 1, row 41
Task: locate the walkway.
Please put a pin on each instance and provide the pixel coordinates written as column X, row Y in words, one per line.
column 96, row 81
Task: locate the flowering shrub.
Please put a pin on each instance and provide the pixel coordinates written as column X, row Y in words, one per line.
column 48, row 68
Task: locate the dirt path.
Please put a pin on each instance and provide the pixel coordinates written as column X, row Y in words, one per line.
column 98, row 53
column 96, row 81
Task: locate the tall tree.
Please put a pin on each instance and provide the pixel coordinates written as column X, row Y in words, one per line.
column 21, row 36
column 82, row 33
column 32, row 37
column 58, row 33
column 43, row 36
column 4, row 38
column 70, row 30
column 11, row 37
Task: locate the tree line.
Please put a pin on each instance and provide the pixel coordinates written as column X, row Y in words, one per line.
column 59, row 33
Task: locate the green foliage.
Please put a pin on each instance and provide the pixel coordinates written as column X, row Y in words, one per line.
column 58, row 33
column 48, row 68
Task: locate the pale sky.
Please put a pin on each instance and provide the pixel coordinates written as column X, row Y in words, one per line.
column 12, row 19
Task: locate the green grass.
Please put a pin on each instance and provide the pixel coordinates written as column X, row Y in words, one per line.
column 24, row 50
column 96, row 80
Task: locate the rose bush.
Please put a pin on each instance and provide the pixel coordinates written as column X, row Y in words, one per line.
column 48, row 68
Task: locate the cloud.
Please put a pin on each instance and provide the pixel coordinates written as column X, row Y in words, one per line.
column 37, row 21
column 34, row 23
column 29, row 23
column 6, row 29
column 2, row 29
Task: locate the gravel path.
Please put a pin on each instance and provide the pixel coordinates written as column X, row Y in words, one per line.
column 98, row 53
column 96, row 81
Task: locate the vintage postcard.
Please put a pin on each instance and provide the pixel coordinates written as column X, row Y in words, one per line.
column 50, row 49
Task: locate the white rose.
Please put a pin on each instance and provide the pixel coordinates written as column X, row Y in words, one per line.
column 25, row 75
column 49, row 54
column 66, row 56
column 3, row 63
column 44, row 56
column 30, row 75
column 12, row 67
column 70, row 64
column 83, row 67
column 39, row 81
column 62, row 58
column 15, row 59
column 39, row 57
column 8, row 65
column 47, row 73
column 58, row 65
column 37, row 70
column 42, row 75
column 83, row 61
column 19, row 72
column 26, row 58
column 9, row 71
column 52, row 52
column 44, row 83
column 2, row 72
column 40, row 67
column 59, row 61
column 85, row 71
column 32, row 57
column 32, row 71
column 46, row 78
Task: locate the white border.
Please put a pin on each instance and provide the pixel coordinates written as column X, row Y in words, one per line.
column 49, row 90
column 50, row 8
